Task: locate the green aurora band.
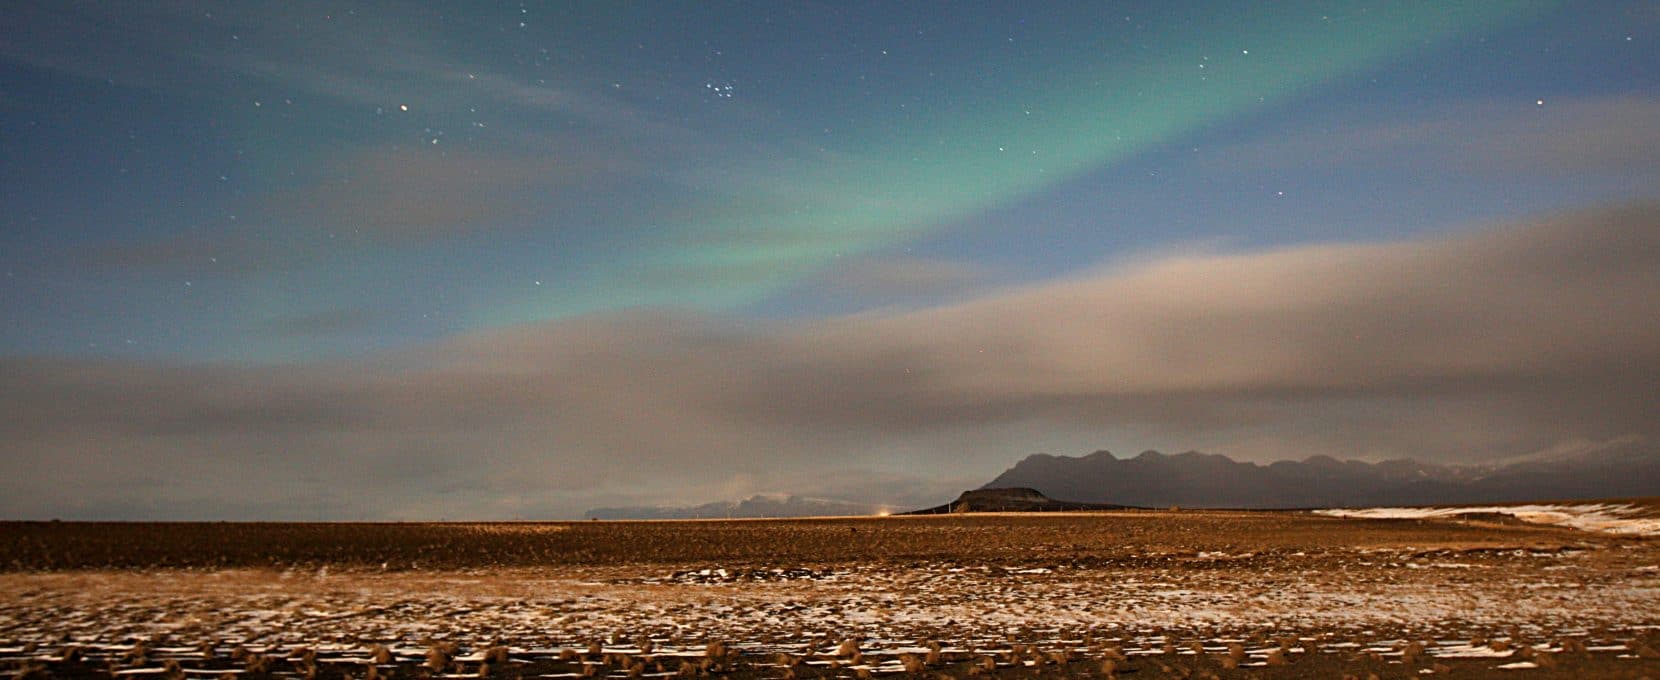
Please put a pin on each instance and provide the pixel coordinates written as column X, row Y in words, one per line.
column 892, row 184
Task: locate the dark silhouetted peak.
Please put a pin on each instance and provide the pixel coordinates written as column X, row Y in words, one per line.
column 1323, row 462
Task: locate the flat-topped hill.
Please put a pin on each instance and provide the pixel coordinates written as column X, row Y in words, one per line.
column 1012, row 499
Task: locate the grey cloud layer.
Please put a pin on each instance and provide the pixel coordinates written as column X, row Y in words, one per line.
column 1491, row 343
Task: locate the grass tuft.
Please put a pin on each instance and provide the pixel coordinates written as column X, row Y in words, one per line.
column 848, row 648
column 438, row 657
column 913, row 664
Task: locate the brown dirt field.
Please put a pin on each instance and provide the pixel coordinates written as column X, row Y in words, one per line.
column 1126, row 535
column 1340, row 596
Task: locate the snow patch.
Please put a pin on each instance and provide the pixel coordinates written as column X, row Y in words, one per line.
column 1607, row 518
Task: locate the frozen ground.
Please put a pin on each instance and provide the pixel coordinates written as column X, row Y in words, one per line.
column 1372, row 598
column 1348, row 594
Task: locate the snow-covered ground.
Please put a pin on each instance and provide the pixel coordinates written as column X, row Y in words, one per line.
column 1608, row 518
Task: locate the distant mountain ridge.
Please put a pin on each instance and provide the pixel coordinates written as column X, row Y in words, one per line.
column 1196, row 479
column 759, row 505
column 1101, row 480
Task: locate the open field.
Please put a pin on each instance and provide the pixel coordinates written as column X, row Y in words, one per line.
column 1148, row 594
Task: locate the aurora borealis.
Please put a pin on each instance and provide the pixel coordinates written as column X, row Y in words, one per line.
column 513, row 255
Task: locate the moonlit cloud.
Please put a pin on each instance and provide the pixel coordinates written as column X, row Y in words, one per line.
column 1497, row 342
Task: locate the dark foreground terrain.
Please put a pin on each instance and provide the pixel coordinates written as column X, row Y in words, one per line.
column 1132, row 594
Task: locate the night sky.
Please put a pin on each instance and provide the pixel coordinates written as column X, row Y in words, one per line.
column 307, row 260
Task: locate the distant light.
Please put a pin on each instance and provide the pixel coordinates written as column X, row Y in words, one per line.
column 1539, row 102
column 403, row 107
column 884, row 512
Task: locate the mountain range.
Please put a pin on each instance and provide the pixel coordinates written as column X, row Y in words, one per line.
column 1196, row 479
column 759, row 505
column 1193, row 479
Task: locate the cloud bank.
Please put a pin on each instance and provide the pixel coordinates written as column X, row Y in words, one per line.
column 1496, row 342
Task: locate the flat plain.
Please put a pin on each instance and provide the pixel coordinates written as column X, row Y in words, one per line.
column 1134, row 594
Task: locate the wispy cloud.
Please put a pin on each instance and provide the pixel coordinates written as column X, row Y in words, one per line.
column 400, row 194
column 910, row 277
column 1596, row 136
column 325, row 322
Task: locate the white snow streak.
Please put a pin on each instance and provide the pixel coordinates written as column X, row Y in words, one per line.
column 1607, row 518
